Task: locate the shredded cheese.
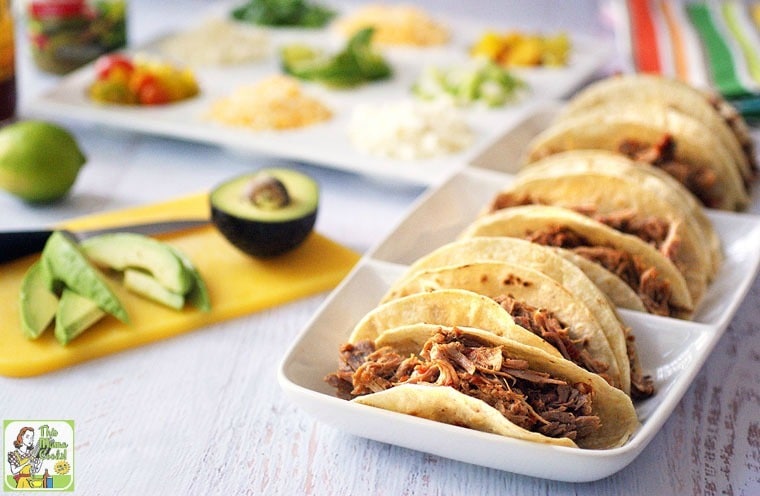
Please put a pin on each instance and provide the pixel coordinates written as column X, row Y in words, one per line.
column 274, row 103
column 395, row 25
column 217, row 42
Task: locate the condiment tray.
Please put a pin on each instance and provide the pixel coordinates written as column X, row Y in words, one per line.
column 326, row 144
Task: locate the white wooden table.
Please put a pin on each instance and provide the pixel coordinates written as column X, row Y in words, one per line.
column 203, row 414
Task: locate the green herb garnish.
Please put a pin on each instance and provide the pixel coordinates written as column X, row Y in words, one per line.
column 283, row 13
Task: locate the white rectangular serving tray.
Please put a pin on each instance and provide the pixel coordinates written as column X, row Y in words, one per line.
column 672, row 351
column 325, row 144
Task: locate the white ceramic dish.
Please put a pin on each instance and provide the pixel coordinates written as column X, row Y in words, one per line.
column 672, row 351
column 326, row 144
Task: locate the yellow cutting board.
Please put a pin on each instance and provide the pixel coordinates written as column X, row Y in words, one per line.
column 237, row 284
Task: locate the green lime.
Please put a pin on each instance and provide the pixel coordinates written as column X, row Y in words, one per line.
column 39, row 161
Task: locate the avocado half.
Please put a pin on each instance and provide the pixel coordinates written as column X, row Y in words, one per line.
column 266, row 213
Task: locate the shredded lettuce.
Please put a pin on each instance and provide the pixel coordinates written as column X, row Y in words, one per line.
column 480, row 81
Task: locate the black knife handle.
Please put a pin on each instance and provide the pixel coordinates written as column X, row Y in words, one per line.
column 17, row 244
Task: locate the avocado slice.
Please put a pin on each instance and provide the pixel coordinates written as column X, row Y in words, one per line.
column 198, row 296
column 121, row 251
column 303, row 61
column 357, row 63
column 38, row 304
column 65, row 265
column 75, row 314
column 145, row 285
column 252, row 212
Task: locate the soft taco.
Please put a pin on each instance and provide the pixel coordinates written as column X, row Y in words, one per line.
column 549, row 263
column 595, row 284
column 634, row 199
column 538, row 303
column 475, row 379
column 654, row 133
column 707, row 107
column 449, row 307
column 653, row 277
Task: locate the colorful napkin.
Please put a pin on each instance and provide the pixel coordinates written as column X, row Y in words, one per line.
column 708, row 44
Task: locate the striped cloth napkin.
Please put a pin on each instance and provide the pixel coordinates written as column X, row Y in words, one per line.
column 713, row 44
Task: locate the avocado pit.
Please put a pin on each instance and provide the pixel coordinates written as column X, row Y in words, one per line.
column 266, row 213
column 267, row 192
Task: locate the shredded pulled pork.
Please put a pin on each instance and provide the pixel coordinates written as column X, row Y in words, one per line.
column 545, row 324
column 364, row 370
column 654, row 292
column 657, row 231
column 507, row 200
column 533, row 400
column 699, row 180
column 737, row 125
column 642, row 386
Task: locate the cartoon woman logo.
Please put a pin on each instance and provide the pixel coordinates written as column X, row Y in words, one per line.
column 23, row 460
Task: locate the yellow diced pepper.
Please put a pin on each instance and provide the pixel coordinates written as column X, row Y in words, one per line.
column 525, row 53
column 556, row 50
column 490, row 45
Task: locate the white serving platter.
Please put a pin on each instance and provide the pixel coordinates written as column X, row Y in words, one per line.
column 327, row 144
column 671, row 351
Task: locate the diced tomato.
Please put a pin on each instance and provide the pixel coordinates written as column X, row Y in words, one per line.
column 120, row 79
column 139, row 78
column 40, row 41
column 108, row 65
column 152, row 92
